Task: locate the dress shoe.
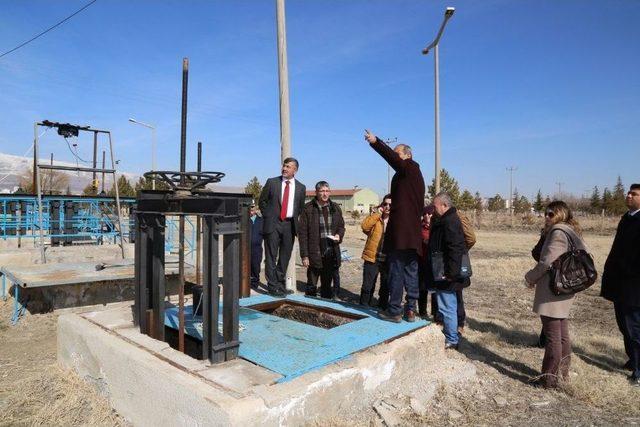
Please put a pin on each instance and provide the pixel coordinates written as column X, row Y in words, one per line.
column 634, row 381
column 384, row 315
column 288, row 291
column 410, row 316
column 627, row 366
column 278, row 293
column 450, row 346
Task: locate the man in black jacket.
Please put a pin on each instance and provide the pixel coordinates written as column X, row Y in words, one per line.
column 321, row 231
column 281, row 201
column 446, row 242
column 621, row 281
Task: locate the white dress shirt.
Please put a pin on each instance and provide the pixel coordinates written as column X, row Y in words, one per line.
column 634, row 212
column 292, row 191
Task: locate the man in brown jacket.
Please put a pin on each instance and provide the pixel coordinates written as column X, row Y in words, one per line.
column 403, row 240
column 320, row 234
column 374, row 227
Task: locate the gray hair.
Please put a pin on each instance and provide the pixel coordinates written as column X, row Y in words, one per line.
column 444, row 198
column 406, row 149
column 321, row 184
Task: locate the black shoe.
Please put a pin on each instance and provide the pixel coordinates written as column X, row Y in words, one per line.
column 288, row 291
column 628, row 366
column 384, row 315
column 278, row 293
column 634, row 381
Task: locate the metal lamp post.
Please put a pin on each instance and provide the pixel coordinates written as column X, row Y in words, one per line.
column 434, row 44
column 153, row 146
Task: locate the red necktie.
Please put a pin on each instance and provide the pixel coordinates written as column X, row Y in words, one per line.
column 285, row 201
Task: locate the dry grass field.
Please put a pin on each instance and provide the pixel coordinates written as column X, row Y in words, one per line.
column 498, row 339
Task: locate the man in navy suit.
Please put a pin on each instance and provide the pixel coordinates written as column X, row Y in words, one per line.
column 281, row 202
column 256, row 246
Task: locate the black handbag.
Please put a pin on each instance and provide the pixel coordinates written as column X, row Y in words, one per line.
column 573, row 271
column 437, row 266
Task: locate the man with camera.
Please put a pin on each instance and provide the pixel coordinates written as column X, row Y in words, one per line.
column 374, row 226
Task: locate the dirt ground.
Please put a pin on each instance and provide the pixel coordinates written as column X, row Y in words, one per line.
column 498, row 339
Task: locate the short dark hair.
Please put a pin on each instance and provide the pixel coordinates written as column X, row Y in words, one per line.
column 634, row 187
column 291, row 160
column 387, row 196
column 321, row 184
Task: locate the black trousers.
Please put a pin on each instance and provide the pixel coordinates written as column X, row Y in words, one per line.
column 326, row 274
column 370, row 271
column 278, row 246
column 256, row 261
column 628, row 319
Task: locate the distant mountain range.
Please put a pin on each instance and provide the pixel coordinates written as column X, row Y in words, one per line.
column 13, row 167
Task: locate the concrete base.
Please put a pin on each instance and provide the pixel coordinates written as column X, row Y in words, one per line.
column 151, row 384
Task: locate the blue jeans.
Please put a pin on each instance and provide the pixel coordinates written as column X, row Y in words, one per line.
column 448, row 309
column 403, row 275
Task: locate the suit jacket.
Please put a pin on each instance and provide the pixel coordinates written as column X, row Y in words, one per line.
column 270, row 203
column 621, row 276
column 407, row 200
column 545, row 302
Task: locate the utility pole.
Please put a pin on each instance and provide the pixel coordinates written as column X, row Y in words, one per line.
column 51, row 177
column 388, row 142
column 559, row 184
column 285, row 126
column 511, row 170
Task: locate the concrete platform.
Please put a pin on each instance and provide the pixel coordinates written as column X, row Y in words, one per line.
column 151, row 384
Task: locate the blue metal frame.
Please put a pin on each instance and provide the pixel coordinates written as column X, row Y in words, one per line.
column 93, row 220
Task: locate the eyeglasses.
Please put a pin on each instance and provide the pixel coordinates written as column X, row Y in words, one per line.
column 549, row 214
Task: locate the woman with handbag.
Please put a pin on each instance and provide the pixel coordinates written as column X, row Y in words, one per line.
column 560, row 226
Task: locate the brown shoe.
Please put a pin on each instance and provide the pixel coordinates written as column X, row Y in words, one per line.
column 384, row 315
column 410, row 316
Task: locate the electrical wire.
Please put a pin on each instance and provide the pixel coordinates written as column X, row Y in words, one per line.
column 49, row 29
column 74, row 154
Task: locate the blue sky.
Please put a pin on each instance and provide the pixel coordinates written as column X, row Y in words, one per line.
column 552, row 88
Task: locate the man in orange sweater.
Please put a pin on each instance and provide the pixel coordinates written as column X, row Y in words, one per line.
column 374, row 227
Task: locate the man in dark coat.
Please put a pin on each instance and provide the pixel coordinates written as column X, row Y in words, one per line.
column 281, row 201
column 321, row 231
column 403, row 240
column 256, row 246
column 446, row 240
column 621, row 281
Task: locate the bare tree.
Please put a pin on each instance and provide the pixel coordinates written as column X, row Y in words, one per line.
column 51, row 181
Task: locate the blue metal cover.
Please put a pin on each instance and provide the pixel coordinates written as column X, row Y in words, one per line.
column 293, row 348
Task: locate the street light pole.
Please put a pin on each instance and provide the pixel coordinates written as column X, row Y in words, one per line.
column 436, row 64
column 153, row 146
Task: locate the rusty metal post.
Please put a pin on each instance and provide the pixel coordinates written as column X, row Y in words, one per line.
column 199, row 226
column 102, row 172
column 183, row 157
column 245, row 253
column 94, row 182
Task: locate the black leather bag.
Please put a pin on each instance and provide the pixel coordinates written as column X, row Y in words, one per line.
column 437, row 266
column 573, row 271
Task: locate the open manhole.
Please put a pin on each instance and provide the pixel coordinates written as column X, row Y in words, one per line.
column 314, row 315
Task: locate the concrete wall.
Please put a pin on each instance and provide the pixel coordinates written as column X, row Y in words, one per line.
column 152, row 385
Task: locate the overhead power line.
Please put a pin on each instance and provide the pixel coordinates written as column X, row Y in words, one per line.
column 49, row 29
